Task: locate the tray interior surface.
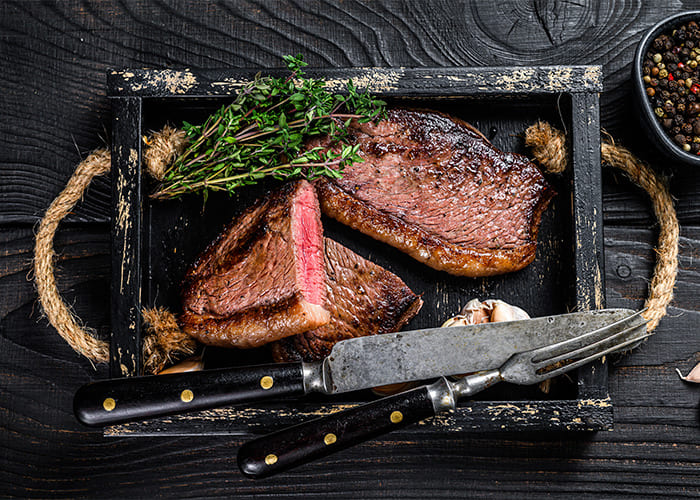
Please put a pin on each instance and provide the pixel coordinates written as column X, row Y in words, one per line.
column 155, row 242
column 177, row 231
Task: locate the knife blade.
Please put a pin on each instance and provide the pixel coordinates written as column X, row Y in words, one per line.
column 353, row 364
column 320, row 437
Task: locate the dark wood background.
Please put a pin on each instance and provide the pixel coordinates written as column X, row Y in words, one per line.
column 53, row 110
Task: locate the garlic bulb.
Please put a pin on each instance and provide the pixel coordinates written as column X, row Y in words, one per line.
column 488, row 311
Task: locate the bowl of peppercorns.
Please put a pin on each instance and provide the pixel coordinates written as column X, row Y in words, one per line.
column 666, row 77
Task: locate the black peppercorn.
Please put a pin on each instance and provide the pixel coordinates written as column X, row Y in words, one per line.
column 696, row 127
column 671, row 80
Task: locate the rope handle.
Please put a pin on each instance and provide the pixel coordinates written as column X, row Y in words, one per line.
column 547, row 145
column 164, row 338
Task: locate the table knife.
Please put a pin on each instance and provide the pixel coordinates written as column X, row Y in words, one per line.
column 298, row 444
column 353, row 364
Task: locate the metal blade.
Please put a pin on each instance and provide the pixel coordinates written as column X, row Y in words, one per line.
column 377, row 360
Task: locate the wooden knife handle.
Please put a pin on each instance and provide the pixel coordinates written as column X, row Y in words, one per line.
column 136, row 398
column 323, row 436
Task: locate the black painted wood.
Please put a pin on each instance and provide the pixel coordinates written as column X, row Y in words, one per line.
column 587, row 210
column 491, row 98
column 127, row 236
column 54, row 57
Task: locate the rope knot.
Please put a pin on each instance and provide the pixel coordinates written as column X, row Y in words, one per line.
column 548, row 146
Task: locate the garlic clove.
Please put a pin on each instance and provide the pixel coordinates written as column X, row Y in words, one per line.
column 488, row 311
column 193, row 364
column 693, row 376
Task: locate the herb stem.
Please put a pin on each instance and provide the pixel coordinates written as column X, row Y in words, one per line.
column 264, row 132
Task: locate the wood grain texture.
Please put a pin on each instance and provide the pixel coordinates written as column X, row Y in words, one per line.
column 489, row 96
column 653, row 451
column 54, row 57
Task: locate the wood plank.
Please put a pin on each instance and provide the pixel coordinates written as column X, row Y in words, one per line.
column 47, row 451
column 629, row 259
column 56, row 59
column 127, row 236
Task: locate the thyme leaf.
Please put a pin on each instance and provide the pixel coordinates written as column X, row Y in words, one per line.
column 263, row 133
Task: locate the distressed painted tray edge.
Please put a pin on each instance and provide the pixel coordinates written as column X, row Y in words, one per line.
column 592, row 410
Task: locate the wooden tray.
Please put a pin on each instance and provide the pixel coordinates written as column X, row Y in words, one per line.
column 154, row 242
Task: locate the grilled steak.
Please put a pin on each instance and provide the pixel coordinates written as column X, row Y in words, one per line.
column 363, row 299
column 263, row 278
column 435, row 188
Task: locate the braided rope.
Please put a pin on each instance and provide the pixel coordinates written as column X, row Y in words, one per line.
column 549, row 149
column 164, row 337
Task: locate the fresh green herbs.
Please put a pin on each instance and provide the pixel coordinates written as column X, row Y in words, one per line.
column 263, row 133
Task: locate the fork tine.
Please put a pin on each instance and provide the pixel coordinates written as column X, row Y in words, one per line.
column 591, row 347
column 567, row 346
column 538, row 377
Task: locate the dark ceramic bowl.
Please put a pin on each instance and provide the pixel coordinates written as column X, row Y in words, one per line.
column 653, row 128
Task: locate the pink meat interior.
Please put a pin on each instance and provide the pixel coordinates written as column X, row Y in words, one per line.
column 308, row 241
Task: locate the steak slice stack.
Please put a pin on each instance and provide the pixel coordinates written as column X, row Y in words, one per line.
column 263, row 278
column 363, row 299
column 435, row 188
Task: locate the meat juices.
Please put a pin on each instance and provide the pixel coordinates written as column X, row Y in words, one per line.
column 263, row 278
column 435, row 188
column 363, row 299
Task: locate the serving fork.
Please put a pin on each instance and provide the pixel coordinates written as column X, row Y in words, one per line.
column 320, row 437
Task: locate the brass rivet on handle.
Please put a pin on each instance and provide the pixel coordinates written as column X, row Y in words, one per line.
column 396, row 417
column 266, row 382
column 330, row 438
column 109, row 404
column 271, row 459
column 186, row 396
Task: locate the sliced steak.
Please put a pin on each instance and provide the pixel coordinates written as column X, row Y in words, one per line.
column 363, row 299
column 263, row 278
column 435, row 188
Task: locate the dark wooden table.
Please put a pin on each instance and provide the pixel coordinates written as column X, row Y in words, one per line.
column 53, row 110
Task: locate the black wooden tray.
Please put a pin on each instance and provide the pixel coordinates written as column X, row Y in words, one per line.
column 153, row 242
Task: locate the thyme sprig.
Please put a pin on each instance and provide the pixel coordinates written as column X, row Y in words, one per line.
column 263, row 132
